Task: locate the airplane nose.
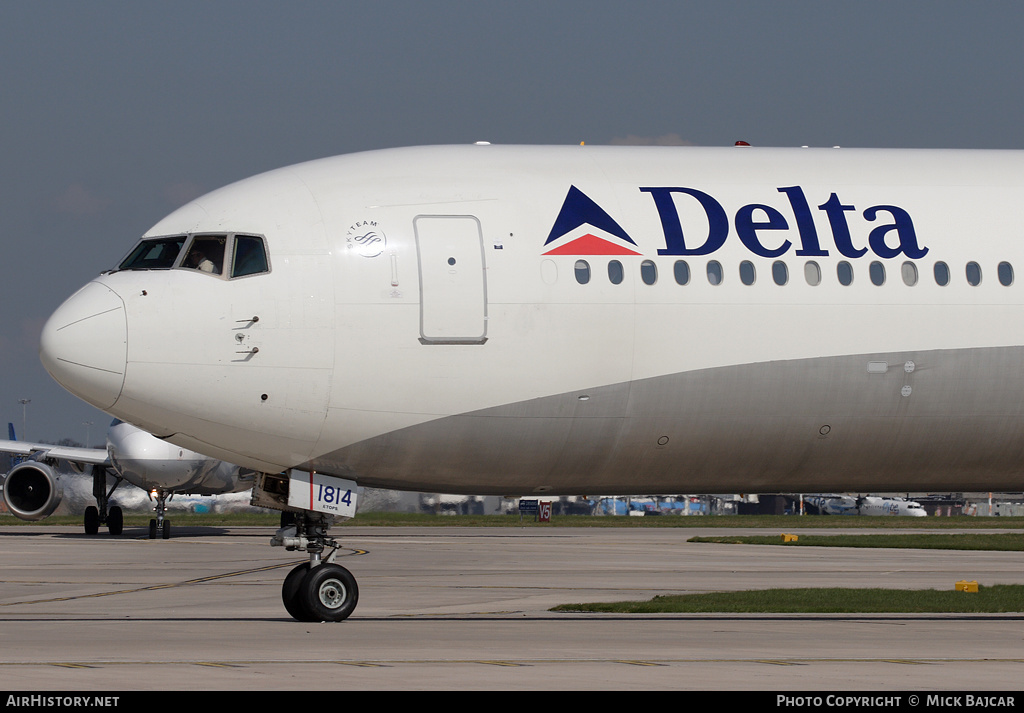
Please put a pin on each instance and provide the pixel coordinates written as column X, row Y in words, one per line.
column 84, row 345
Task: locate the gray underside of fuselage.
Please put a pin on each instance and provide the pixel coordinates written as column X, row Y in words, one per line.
column 944, row 420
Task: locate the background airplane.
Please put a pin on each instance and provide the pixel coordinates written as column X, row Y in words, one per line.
column 871, row 505
column 865, row 505
column 32, row 489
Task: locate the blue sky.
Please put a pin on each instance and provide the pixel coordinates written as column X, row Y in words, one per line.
column 114, row 113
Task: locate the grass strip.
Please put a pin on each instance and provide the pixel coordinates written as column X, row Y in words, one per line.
column 995, row 599
column 394, row 519
column 1000, row 542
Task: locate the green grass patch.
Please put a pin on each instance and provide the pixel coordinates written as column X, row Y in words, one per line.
column 1005, row 542
column 999, row 598
column 782, row 523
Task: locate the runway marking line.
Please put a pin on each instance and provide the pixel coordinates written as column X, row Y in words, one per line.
column 153, row 587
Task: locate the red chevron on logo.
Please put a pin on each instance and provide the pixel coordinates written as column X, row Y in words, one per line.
column 590, row 244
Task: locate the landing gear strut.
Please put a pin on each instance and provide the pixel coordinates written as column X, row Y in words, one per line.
column 101, row 514
column 159, row 524
column 319, row 590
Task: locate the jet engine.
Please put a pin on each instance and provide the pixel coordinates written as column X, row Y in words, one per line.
column 32, row 490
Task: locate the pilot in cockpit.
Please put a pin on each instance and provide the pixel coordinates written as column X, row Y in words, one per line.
column 206, row 255
column 197, row 259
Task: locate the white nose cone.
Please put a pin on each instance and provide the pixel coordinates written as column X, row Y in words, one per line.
column 84, row 345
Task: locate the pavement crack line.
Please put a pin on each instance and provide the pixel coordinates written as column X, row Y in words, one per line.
column 153, row 587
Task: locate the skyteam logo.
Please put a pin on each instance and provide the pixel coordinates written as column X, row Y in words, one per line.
column 366, row 239
column 574, row 230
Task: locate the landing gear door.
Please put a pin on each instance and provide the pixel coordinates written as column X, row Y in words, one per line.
column 453, row 286
column 322, row 493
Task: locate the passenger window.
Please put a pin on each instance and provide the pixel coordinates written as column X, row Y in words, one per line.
column 747, row 273
column 941, row 274
column 973, row 274
column 158, row 254
column 780, row 273
column 1005, row 274
column 206, row 254
column 844, row 271
column 812, row 273
column 648, row 272
column 615, row 272
column 582, row 270
column 682, row 272
column 250, row 256
column 876, row 271
column 909, row 272
column 715, row 272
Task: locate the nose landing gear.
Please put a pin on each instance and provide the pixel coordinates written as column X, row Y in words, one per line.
column 159, row 526
column 318, row 590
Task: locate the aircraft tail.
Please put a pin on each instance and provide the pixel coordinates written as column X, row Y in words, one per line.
column 10, row 432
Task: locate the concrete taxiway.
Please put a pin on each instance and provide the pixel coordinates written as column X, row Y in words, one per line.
column 467, row 608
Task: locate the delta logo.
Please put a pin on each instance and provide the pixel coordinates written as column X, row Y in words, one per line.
column 574, row 230
column 582, row 227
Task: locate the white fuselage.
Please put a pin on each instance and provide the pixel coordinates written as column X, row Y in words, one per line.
column 870, row 505
column 890, row 506
column 478, row 319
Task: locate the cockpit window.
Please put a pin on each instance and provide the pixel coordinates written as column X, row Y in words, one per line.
column 216, row 254
column 250, row 256
column 155, row 254
column 206, row 254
